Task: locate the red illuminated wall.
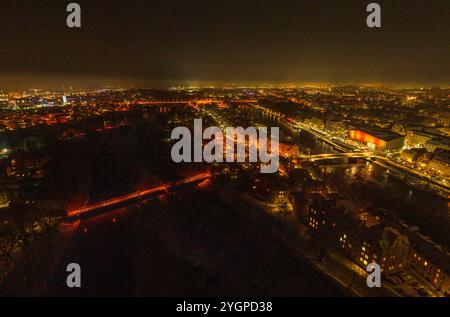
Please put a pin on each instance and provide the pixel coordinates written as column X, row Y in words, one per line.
column 366, row 138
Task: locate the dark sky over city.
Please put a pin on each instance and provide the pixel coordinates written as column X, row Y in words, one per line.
column 145, row 42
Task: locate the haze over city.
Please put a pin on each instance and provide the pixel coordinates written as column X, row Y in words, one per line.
column 162, row 43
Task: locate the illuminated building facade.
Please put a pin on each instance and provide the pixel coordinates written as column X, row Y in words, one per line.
column 432, row 265
column 418, row 138
column 362, row 242
column 384, row 141
column 440, row 164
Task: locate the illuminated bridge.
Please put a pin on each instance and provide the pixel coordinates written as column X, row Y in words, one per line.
column 128, row 198
column 320, row 157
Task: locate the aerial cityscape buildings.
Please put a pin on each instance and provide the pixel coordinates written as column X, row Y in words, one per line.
column 358, row 182
column 225, row 149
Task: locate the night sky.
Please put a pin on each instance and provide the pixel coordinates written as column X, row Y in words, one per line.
column 150, row 42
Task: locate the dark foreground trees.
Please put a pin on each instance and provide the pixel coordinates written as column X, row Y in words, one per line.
column 24, row 228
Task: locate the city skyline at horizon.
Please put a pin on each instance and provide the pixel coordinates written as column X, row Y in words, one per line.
column 63, row 82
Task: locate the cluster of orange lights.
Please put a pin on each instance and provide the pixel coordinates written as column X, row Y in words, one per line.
column 366, row 138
